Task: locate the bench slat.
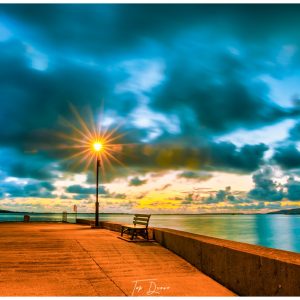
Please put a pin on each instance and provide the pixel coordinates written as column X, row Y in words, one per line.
column 141, row 215
column 141, row 223
column 141, row 219
column 138, row 220
column 134, row 227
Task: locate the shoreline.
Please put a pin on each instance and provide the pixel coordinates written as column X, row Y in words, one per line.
column 156, row 214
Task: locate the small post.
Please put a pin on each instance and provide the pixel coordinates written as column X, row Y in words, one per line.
column 64, row 217
column 75, row 210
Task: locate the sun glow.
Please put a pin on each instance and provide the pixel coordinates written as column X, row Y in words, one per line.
column 90, row 141
column 97, row 146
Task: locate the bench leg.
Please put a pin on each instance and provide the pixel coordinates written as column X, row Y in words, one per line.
column 133, row 234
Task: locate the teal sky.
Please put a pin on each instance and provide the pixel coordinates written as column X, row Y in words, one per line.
column 208, row 95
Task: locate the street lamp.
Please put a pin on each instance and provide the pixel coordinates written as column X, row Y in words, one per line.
column 97, row 147
column 91, row 141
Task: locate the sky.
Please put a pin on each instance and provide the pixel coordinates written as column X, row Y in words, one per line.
column 205, row 98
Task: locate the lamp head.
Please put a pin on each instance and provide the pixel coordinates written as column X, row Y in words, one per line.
column 97, row 146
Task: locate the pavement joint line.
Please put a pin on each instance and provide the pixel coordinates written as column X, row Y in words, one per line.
column 100, row 269
column 87, row 278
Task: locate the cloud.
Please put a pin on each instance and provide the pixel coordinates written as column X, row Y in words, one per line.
column 293, row 189
column 199, row 96
column 80, row 75
column 119, row 196
column 39, row 170
column 116, row 172
column 288, row 157
column 136, row 181
column 82, row 192
column 189, row 198
column 34, row 189
column 162, row 188
column 67, row 81
column 209, row 156
column 266, row 188
column 142, row 195
column 81, row 196
column 176, row 94
column 78, row 189
column 200, row 175
column 90, row 35
column 295, row 132
column 223, row 196
column 115, row 195
column 26, row 165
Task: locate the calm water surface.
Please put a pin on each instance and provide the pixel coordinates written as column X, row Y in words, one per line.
column 275, row 231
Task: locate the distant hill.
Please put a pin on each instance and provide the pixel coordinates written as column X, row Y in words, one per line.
column 5, row 211
column 294, row 211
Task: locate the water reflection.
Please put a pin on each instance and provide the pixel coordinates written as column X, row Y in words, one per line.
column 277, row 231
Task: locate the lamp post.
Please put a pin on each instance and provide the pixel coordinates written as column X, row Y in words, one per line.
column 97, row 188
column 97, row 148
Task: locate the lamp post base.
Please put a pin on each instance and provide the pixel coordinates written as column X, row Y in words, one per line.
column 96, row 227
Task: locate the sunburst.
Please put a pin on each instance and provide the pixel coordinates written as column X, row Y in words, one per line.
column 89, row 141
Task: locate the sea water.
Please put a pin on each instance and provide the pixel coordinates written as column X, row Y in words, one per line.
column 274, row 231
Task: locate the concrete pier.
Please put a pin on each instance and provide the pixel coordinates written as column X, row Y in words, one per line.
column 247, row 270
column 55, row 259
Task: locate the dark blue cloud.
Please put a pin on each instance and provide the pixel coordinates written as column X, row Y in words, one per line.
column 246, row 159
column 265, row 188
column 288, row 157
column 225, row 196
column 28, row 170
column 136, row 181
column 200, row 175
column 26, row 165
column 80, row 196
column 293, row 189
column 295, row 132
column 213, row 58
column 42, row 189
column 78, row 189
column 219, row 98
column 209, row 156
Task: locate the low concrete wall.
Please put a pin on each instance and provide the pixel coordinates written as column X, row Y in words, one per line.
column 85, row 222
column 248, row 270
column 113, row 226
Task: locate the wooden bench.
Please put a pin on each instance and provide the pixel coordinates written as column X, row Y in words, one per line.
column 139, row 227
